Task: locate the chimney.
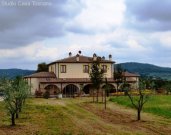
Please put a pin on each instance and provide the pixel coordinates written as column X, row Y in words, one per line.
column 79, row 52
column 94, row 57
column 70, row 54
column 77, row 57
column 110, row 57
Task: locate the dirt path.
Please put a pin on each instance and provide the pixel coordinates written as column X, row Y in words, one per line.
column 123, row 120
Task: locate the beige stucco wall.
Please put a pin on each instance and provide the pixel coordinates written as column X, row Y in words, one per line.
column 53, row 68
column 136, row 82
column 33, row 83
column 131, row 78
column 75, row 70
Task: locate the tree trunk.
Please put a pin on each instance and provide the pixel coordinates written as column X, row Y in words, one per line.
column 93, row 96
column 20, row 109
column 102, row 96
column 17, row 107
column 105, row 99
column 20, row 105
column 107, row 93
column 117, row 89
column 13, row 119
column 138, row 114
column 17, row 116
column 97, row 100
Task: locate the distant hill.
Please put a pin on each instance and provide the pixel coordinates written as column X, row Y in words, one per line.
column 147, row 69
column 140, row 68
column 12, row 73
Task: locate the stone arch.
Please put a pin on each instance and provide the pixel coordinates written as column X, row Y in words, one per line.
column 53, row 89
column 70, row 90
column 112, row 89
column 87, row 88
column 123, row 86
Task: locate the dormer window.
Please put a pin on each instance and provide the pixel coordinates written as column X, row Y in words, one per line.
column 63, row 68
column 85, row 69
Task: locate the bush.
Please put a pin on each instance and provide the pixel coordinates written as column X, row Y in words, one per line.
column 46, row 94
column 38, row 93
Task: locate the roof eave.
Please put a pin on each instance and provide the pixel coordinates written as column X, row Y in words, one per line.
column 79, row 62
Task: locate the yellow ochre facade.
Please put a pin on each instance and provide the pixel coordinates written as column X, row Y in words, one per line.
column 70, row 77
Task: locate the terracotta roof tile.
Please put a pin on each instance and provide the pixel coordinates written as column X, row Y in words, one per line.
column 127, row 74
column 42, row 75
column 82, row 59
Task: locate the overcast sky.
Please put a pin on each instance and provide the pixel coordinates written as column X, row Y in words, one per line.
column 34, row 31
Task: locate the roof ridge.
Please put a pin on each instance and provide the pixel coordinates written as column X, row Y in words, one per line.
column 83, row 59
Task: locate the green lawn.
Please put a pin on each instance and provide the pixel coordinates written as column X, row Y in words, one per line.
column 158, row 105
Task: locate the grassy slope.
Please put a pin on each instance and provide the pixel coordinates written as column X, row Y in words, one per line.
column 55, row 117
column 79, row 117
column 158, row 105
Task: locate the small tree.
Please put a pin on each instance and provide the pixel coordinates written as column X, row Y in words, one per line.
column 118, row 77
column 138, row 100
column 42, row 67
column 9, row 100
column 22, row 89
column 15, row 93
column 96, row 76
column 107, row 88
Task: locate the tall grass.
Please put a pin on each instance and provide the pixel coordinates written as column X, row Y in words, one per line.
column 158, row 104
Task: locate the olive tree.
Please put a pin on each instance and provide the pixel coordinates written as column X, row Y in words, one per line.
column 22, row 89
column 139, row 99
column 15, row 93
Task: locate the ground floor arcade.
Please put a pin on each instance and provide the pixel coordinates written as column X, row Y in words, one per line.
column 75, row 89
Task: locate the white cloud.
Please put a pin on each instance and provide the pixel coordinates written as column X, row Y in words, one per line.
column 35, row 51
column 92, row 26
column 98, row 15
column 165, row 39
column 133, row 44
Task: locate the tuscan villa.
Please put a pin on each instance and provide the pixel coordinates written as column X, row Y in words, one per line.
column 70, row 76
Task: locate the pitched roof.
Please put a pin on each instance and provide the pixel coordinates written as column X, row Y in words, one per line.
column 82, row 59
column 127, row 74
column 42, row 75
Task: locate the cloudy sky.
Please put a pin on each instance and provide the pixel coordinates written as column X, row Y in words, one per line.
column 34, row 31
